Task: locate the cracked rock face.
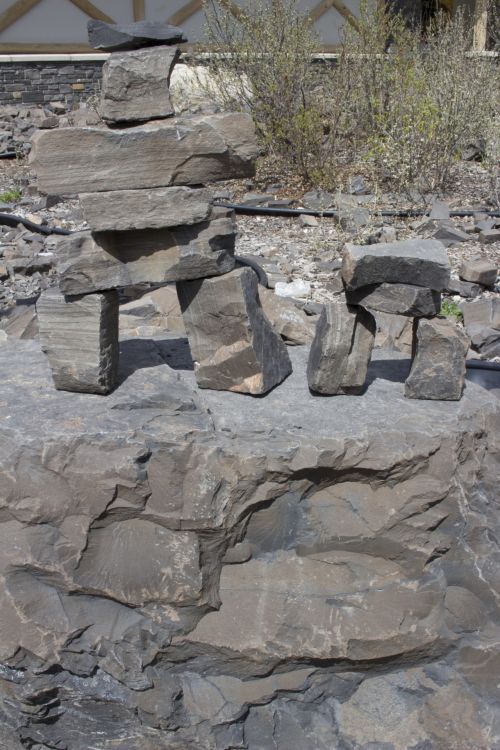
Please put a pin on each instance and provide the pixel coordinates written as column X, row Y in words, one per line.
column 186, row 569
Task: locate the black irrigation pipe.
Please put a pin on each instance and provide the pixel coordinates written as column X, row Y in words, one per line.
column 12, row 220
column 333, row 213
column 8, row 155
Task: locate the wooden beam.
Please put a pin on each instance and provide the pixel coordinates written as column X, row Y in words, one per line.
column 91, row 10
column 185, row 12
column 32, row 48
column 321, row 8
column 480, row 25
column 15, row 12
column 139, row 10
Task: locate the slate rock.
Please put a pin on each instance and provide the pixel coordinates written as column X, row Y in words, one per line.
column 232, row 342
column 111, row 37
column 440, row 211
column 485, row 340
column 341, row 350
column 121, row 210
column 489, row 236
column 419, row 262
column 318, row 200
column 398, row 299
column 135, row 85
column 483, row 312
column 80, row 338
column 89, row 262
column 449, row 235
column 464, row 288
column 482, row 272
column 176, row 151
column 438, row 367
column 292, row 324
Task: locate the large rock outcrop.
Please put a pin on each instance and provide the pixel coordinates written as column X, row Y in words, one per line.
column 183, row 569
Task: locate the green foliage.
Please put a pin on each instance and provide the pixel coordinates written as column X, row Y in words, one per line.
column 10, row 196
column 451, row 309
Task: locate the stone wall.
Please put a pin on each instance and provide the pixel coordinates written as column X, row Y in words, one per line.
column 43, row 82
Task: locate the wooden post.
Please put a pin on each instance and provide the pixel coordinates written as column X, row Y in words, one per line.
column 139, row 10
column 16, row 11
column 321, row 8
column 91, row 10
column 480, row 25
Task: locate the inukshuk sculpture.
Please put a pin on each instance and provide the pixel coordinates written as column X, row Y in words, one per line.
column 404, row 278
column 140, row 178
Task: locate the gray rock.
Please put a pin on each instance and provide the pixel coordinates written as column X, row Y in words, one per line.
column 233, row 344
column 135, row 85
column 341, row 350
column 440, row 211
column 464, row 288
column 398, row 299
column 484, row 339
column 256, row 199
column 105, row 260
column 122, row 210
column 111, row 37
column 179, row 151
column 483, row 312
column 318, row 200
column 307, row 220
column 80, row 338
column 487, row 237
column 384, row 234
column 292, row 324
column 438, row 367
column 419, row 262
column 449, row 235
column 479, row 272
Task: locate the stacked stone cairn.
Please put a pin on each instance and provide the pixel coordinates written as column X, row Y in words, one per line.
column 403, row 278
column 140, row 178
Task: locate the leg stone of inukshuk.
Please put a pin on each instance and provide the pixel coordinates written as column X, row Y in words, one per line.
column 438, row 367
column 341, row 350
column 232, row 342
column 79, row 335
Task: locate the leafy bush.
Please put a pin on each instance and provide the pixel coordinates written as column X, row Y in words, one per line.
column 451, row 309
column 10, row 196
column 396, row 106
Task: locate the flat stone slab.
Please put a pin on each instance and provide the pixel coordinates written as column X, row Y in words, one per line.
column 397, row 299
column 111, row 37
column 89, row 262
column 177, row 151
column 419, row 262
column 121, row 210
column 135, row 85
column 482, row 272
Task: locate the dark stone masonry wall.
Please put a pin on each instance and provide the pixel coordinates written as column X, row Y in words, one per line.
column 43, row 82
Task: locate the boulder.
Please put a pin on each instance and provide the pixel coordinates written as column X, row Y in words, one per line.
column 135, row 85
column 234, row 346
column 292, row 324
column 79, row 335
column 418, row 262
column 489, row 236
column 398, row 299
column 122, row 210
column 484, row 312
column 341, row 350
column 438, row 367
column 89, row 262
column 178, row 151
column 484, row 340
column 479, row 272
column 111, row 37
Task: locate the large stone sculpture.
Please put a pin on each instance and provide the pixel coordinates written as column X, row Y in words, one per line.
column 139, row 179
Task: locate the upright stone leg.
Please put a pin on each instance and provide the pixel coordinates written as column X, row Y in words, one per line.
column 341, row 350
column 80, row 338
column 232, row 342
column 438, row 367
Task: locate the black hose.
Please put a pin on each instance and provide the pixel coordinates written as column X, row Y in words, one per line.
column 8, row 155
column 11, row 220
column 283, row 211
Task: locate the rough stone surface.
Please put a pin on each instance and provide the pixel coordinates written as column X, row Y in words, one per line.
column 419, row 262
column 234, row 346
column 364, row 584
column 341, row 350
column 438, row 367
column 479, row 272
column 484, row 311
column 80, row 338
column 121, row 210
column 397, row 299
column 111, row 37
column 292, row 324
column 178, row 151
column 135, row 85
column 393, row 332
column 88, row 262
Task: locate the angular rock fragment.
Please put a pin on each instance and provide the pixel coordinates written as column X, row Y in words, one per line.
column 105, row 260
column 419, row 262
column 292, row 324
column 485, row 312
column 178, row 151
column 489, row 236
column 232, row 342
column 449, row 235
column 479, row 272
column 341, row 350
column 111, row 37
column 438, row 367
column 135, row 85
column 80, row 338
column 484, row 340
column 120, row 210
column 398, row 299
